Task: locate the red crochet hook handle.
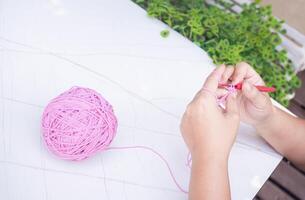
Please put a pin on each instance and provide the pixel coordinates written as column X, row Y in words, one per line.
column 239, row 86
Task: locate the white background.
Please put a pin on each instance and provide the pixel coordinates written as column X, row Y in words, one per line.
column 46, row 47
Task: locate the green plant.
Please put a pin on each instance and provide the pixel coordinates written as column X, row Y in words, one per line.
column 164, row 33
column 251, row 36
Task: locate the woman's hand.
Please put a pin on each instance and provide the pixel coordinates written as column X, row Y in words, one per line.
column 282, row 131
column 209, row 132
column 255, row 106
column 207, row 129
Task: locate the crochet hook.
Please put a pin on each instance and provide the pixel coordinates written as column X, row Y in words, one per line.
column 239, row 86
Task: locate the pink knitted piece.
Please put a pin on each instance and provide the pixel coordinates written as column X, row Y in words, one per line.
column 222, row 100
column 78, row 123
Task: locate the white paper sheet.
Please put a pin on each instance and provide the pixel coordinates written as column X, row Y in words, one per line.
column 46, row 47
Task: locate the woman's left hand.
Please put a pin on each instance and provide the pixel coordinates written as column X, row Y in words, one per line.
column 207, row 129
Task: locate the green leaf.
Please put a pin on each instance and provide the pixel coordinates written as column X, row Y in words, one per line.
column 164, row 33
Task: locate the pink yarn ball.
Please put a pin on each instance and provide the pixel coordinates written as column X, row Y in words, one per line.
column 78, row 123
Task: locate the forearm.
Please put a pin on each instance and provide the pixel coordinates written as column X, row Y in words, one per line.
column 286, row 134
column 209, row 179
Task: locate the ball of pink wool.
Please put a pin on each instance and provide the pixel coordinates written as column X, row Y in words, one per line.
column 78, row 123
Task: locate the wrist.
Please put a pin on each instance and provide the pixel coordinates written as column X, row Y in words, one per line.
column 265, row 124
column 210, row 155
column 213, row 161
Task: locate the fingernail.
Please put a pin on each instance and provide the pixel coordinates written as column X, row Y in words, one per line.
column 216, row 67
column 219, row 66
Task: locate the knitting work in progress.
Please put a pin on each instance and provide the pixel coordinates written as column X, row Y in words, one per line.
column 221, row 100
column 80, row 122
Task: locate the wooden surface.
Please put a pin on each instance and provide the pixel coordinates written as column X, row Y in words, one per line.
column 287, row 181
column 271, row 191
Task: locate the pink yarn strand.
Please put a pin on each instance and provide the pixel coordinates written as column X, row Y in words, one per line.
column 222, row 99
column 160, row 156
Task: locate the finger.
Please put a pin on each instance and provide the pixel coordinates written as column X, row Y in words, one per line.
column 232, row 106
column 204, row 94
column 257, row 98
column 221, row 92
column 213, row 79
column 227, row 74
column 240, row 73
column 243, row 71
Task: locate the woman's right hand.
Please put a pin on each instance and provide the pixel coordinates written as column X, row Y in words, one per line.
column 284, row 132
column 255, row 106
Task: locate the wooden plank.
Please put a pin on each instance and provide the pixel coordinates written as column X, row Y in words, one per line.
column 296, row 109
column 270, row 191
column 297, row 168
column 289, row 178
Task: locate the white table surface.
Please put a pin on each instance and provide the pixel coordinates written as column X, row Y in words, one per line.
column 46, row 47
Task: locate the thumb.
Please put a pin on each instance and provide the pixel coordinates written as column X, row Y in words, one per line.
column 257, row 98
column 232, row 107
